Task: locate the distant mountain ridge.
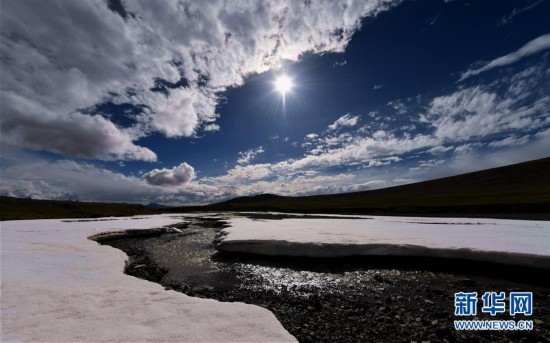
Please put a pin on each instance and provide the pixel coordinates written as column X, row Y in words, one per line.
column 520, row 191
column 17, row 208
column 156, row 206
column 515, row 191
column 254, row 198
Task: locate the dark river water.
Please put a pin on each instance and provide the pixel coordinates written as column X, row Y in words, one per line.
column 336, row 300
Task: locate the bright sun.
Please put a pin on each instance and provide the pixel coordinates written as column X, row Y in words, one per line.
column 283, row 84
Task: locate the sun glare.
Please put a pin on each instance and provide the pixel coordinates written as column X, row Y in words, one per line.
column 283, row 84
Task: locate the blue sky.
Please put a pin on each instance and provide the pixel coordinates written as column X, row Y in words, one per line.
column 176, row 103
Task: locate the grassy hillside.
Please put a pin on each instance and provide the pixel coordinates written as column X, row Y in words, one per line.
column 515, row 191
column 15, row 208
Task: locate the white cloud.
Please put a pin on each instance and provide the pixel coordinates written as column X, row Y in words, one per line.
column 59, row 58
column 339, row 64
column 430, row 163
column 346, row 120
column 211, row 128
column 401, row 181
column 66, row 179
column 398, row 105
column 434, row 19
column 463, row 122
column 70, row 180
column 250, row 172
column 408, row 128
column 182, row 111
column 537, row 45
column 76, row 134
column 514, row 104
column 176, row 176
column 288, row 183
column 377, row 87
column 485, row 159
column 517, row 11
column 468, row 147
column 440, row 149
column 245, row 157
column 359, row 151
column 50, row 74
column 509, row 141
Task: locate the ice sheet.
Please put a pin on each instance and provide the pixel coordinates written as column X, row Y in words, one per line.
column 509, row 241
column 58, row 286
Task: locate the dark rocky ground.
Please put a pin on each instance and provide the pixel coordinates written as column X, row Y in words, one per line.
column 337, row 300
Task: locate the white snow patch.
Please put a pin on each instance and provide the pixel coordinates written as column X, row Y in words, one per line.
column 518, row 242
column 58, row 286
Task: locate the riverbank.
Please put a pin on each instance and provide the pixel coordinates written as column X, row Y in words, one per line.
column 59, row 286
column 329, row 300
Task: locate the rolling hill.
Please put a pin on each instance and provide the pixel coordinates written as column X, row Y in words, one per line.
column 17, row 208
column 515, row 191
column 520, row 191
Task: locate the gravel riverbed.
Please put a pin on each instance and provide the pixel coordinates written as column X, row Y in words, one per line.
column 333, row 300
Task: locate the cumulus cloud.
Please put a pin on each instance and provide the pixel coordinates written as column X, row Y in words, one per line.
column 399, row 106
column 359, row 150
column 453, row 126
column 176, row 176
column 64, row 179
column 456, row 124
column 211, row 128
column 76, row 134
column 347, row 120
column 512, row 104
column 289, row 183
column 181, row 112
column 245, row 157
column 70, row 180
column 535, row 46
column 76, row 55
column 171, row 61
column 364, row 152
column 241, row 174
column 84, row 181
